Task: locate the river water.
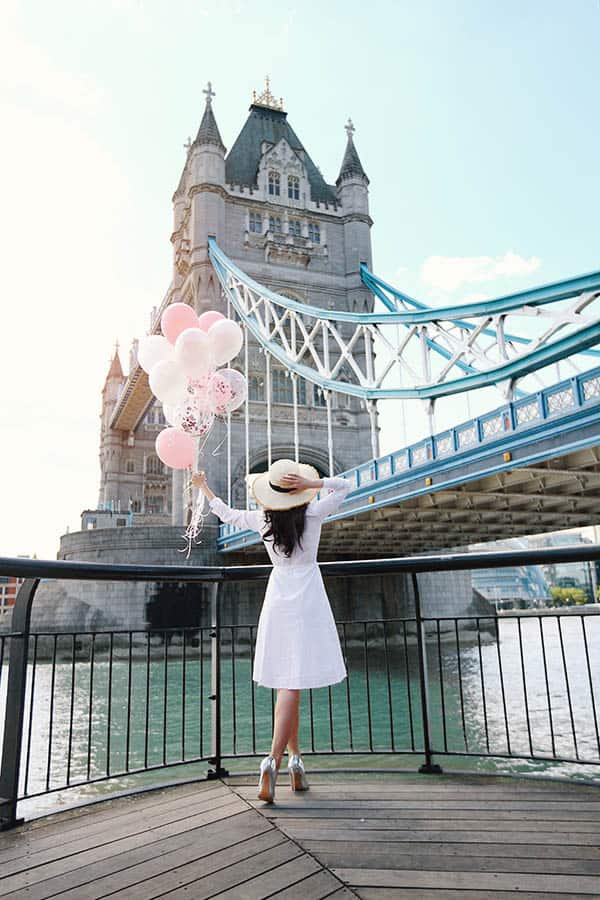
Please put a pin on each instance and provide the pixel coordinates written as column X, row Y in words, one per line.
column 160, row 713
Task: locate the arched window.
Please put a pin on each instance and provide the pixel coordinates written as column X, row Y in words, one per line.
column 255, row 222
column 314, row 233
column 318, row 396
column 154, row 504
column 256, row 388
column 275, row 224
column 154, row 466
column 295, row 227
column 130, row 468
column 274, row 184
column 293, row 187
column 282, row 389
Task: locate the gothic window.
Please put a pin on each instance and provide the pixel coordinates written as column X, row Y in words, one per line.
column 275, row 224
column 314, row 233
column 136, row 506
column 318, row 396
column 154, row 504
column 295, row 227
column 130, row 467
column 255, row 223
column 282, row 388
column 160, row 417
column 293, row 187
column 154, row 466
column 302, row 391
column 256, row 388
column 274, row 184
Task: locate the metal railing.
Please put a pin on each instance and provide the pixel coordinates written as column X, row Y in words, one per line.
column 82, row 707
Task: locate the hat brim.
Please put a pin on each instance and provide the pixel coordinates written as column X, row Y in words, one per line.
column 266, row 497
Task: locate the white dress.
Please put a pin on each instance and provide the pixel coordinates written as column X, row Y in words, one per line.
column 297, row 643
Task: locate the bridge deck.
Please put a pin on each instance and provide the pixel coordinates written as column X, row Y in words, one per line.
column 374, row 836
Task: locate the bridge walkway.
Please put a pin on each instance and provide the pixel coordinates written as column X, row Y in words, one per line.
column 369, row 836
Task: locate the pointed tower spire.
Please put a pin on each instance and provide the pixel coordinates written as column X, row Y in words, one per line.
column 208, row 133
column 351, row 164
column 115, row 370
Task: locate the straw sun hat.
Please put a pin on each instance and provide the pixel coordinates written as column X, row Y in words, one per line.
column 269, row 492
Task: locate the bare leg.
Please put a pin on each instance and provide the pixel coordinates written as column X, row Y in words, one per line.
column 286, row 720
column 293, row 741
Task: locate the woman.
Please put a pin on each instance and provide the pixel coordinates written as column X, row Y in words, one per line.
column 297, row 644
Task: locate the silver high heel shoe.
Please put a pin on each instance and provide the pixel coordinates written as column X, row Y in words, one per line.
column 266, row 782
column 298, row 779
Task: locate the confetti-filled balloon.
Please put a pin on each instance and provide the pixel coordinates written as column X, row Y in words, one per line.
column 193, row 416
column 227, row 391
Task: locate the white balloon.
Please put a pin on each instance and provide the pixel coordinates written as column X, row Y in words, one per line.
column 192, row 352
column 167, row 381
column 226, row 339
column 169, row 412
column 152, row 349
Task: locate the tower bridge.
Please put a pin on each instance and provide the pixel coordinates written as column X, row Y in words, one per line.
column 259, row 233
column 505, row 392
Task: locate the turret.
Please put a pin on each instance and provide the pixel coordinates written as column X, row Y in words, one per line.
column 110, row 441
column 353, row 192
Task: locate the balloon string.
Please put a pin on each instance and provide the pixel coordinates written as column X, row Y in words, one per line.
column 194, row 529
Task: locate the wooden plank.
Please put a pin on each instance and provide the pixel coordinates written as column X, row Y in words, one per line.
column 372, row 793
column 381, row 817
column 277, row 880
column 110, row 831
column 459, row 836
column 583, row 885
column 183, row 879
column 321, row 884
column 466, row 823
column 366, row 855
column 152, row 856
column 306, row 802
column 313, row 839
column 46, row 837
column 80, row 856
column 418, row 894
column 236, row 875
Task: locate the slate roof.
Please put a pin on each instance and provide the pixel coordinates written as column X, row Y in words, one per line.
column 208, row 133
column 265, row 124
column 351, row 164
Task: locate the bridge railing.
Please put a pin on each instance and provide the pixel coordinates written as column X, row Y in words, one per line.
column 559, row 401
column 84, row 707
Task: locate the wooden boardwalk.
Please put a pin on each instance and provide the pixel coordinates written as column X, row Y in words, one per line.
column 376, row 836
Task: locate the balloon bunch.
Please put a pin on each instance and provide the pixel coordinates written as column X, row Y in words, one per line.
column 183, row 368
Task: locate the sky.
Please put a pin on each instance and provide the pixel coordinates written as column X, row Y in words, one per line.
column 475, row 121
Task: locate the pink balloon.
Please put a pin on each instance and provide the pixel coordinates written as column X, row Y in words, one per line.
column 209, row 318
column 175, row 319
column 175, row 448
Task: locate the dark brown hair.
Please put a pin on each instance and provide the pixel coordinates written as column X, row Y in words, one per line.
column 286, row 527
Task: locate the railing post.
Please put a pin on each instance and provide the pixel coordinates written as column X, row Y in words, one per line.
column 429, row 767
column 15, row 705
column 215, row 682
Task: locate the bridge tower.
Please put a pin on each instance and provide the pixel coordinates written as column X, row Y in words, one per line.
column 271, row 211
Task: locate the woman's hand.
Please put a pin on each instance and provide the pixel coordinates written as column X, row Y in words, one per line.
column 199, row 481
column 299, row 483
